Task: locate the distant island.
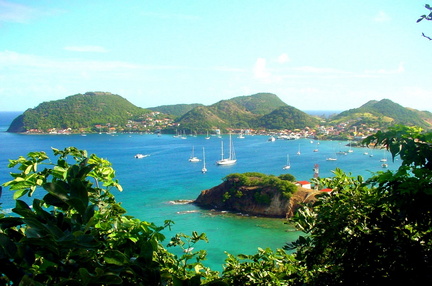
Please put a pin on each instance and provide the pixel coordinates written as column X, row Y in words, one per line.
column 262, row 113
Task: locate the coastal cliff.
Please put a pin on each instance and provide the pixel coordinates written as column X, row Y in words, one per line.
column 255, row 199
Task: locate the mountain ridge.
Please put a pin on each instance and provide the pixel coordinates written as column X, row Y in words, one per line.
column 257, row 111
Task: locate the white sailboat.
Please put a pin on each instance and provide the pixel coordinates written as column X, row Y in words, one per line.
column 288, row 164
column 192, row 157
column 332, row 158
column 207, row 137
column 204, row 169
column 298, row 152
column 384, row 158
column 231, row 158
column 241, row 135
column 350, row 150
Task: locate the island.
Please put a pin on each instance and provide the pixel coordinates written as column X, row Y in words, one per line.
column 258, row 194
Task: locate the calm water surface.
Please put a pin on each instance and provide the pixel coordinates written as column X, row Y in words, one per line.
column 152, row 183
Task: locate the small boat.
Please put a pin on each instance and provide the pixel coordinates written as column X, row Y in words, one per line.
column 207, row 137
column 204, row 169
column 193, row 158
column 350, row 150
column 298, row 152
column 331, row 159
column 384, row 165
column 231, row 158
column 271, row 139
column 140, row 156
column 384, row 158
column 288, row 164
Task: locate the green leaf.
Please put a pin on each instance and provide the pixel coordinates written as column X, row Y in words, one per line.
column 18, row 194
column 115, row 257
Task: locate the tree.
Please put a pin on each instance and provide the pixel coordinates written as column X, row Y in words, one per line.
column 77, row 234
column 374, row 232
column 427, row 17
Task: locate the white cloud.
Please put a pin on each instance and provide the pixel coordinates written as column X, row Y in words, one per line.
column 283, row 58
column 399, row 69
column 86, row 49
column 260, row 69
column 382, row 17
column 16, row 13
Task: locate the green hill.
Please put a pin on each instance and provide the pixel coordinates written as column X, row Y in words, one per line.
column 262, row 110
column 287, row 117
column 260, row 103
column 384, row 113
column 176, row 110
column 79, row 111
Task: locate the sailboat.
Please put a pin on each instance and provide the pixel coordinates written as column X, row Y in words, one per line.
column 384, row 158
column 231, row 158
column 332, row 158
column 298, row 152
column 241, row 135
column 350, row 150
column 288, row 165
column 207, row 137
column 204, row 169
column 192, row 157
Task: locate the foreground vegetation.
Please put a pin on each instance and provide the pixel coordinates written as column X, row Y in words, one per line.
column 373, row 232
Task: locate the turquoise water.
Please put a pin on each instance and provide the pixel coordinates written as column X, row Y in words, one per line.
column 152, row 183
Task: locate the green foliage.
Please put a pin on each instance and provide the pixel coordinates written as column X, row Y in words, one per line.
column 80, row 111
column 426, row 17
column 287, row 177
column 260, row 103
column 283, row 184
column 239, row 112
column 266, row 267
column 382, row 114
column 374, row 232
column 287, row 117
column 262, row 198
column 176, row 110
column 77, row 234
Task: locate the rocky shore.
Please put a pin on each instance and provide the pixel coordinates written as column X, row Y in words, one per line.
column 254, row 200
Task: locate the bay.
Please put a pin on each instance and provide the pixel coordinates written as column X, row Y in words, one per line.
column 152, row 183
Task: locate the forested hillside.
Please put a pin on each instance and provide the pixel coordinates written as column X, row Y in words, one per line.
column 79, row 111
column 384, row 113
column 176, row 110
column 254, row 111
column 287, row 117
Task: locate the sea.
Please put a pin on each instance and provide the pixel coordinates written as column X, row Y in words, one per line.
column 154, row 184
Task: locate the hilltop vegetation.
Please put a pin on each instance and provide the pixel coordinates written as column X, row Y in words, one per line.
column 106, row 112
column 80, row 111
column 262, row 110
column 287, row 117
column 176, row 110
column 384, row 113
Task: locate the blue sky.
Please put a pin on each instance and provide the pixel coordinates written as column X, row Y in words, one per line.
column 315, row 55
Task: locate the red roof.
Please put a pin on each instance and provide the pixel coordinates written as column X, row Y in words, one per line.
column 326, row 190
column 303, row 182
